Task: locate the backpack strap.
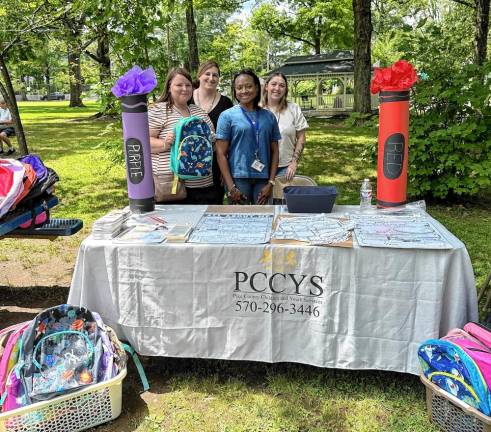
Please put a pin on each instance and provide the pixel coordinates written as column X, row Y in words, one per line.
column 139, row 366
column 174, row 184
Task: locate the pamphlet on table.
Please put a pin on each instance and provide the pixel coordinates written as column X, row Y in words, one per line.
column 233, row 228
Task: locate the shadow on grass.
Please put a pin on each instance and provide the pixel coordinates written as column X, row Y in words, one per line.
column 300, row 391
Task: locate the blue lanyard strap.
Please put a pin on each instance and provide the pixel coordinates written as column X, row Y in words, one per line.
column 255, row 125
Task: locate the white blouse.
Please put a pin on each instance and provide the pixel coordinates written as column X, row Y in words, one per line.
column 290, row 120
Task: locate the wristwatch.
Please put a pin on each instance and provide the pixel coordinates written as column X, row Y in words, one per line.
column 271, row 182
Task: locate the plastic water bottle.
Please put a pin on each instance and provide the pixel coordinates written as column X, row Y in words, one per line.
column 365, row 195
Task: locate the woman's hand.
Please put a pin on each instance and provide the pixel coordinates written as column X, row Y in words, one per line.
column 265, row 194
column 291, row 170
column 235, row 195
column 169, row 139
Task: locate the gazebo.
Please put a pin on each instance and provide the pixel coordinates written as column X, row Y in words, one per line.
column 328, row 82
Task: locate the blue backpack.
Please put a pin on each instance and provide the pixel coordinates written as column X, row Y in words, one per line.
column 448, row 366
column 192, row 153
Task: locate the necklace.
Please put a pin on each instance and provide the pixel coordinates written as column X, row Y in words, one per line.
column 175, row 108
column 211, row 105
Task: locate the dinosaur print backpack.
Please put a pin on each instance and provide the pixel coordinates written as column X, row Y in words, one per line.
column 192, row 153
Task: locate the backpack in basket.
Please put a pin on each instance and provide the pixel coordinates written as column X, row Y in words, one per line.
column 192, row 153
column 65, row 348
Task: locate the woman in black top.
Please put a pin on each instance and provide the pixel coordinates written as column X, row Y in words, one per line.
column 209, row 99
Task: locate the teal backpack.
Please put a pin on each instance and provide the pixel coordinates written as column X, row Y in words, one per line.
column 192, row 153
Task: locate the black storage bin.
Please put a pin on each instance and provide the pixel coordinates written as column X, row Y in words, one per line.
column 310, row 199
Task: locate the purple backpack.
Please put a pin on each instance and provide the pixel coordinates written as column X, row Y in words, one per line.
column 37, row 164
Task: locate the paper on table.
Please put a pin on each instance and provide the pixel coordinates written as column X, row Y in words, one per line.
column 232, row 228
column 405, row 232
column 141, row 235
column 317, row 229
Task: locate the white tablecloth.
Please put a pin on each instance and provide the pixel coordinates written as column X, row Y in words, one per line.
column 353, row 308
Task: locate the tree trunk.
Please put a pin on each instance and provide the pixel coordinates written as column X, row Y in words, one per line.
column 192, row 37
column 108, row 105
column 75, row 76
column 481, row 31
column 8, row 94
column 362, row 56
column 47, row 77
column 317, row 44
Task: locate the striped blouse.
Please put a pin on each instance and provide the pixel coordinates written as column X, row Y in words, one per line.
column 162, row 120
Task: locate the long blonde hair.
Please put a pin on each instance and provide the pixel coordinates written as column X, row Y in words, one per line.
column 284, row 100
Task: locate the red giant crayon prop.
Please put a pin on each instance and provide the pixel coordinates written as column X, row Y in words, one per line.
column 393, row 83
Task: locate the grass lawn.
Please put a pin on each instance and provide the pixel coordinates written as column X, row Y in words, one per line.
column 206, row 395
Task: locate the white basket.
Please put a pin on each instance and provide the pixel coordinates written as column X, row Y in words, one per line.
column 73, row 412
column 452, row 414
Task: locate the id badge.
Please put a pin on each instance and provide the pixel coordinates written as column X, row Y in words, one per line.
column 257, row 165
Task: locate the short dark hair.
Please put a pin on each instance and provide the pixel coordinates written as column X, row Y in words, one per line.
column 257, row 83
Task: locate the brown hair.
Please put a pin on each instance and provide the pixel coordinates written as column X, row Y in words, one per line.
column 284, row 100
column 166, row 95
column 203, row 67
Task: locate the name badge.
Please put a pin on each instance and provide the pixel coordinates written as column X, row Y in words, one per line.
column 257, row 165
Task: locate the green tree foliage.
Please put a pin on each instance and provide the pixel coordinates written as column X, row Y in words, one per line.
column 450, row 133
column 450, row 118
column 20, row 23
column 317, row 24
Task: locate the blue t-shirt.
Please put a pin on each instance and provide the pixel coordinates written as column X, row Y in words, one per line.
column 234, row 127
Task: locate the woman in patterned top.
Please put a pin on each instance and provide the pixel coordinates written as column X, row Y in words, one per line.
column 172, row 106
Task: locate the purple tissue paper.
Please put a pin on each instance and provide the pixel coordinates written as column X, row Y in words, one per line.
column 135, row 81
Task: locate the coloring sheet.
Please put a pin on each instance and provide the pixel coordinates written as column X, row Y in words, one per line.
column 232, row 228
column 318, row 229
column 405, row 232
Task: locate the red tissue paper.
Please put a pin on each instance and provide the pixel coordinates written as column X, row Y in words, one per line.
column 400, row 76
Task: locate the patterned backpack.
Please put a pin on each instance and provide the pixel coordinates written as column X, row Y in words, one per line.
column 192, row 153
column 64, row 349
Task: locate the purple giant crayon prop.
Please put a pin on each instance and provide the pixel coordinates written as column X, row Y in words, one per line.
column 132, row 89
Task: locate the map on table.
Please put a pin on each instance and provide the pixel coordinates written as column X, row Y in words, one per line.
column 232, row 228
column 318, row 229
column 403, row 232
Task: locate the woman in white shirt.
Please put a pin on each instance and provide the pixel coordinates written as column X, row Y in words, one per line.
column 291, row 122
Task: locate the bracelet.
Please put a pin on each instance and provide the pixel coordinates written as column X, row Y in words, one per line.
column 229, row 192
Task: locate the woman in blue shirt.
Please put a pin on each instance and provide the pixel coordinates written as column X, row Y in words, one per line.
column 247, row 144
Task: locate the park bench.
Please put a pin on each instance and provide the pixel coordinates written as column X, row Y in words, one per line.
column 10, row 224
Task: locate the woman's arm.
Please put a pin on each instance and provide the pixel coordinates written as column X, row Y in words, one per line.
column 297, row 152
column 221, row 148
column 159, row 145
column 268, row 189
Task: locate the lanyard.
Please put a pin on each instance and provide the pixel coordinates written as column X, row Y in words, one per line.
column 255, row 125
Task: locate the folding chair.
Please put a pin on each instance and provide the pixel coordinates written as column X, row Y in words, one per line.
column 281, row 182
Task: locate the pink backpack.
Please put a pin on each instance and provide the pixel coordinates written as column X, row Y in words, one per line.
column 10, row 194
column 475, row 340
column 10, row 353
